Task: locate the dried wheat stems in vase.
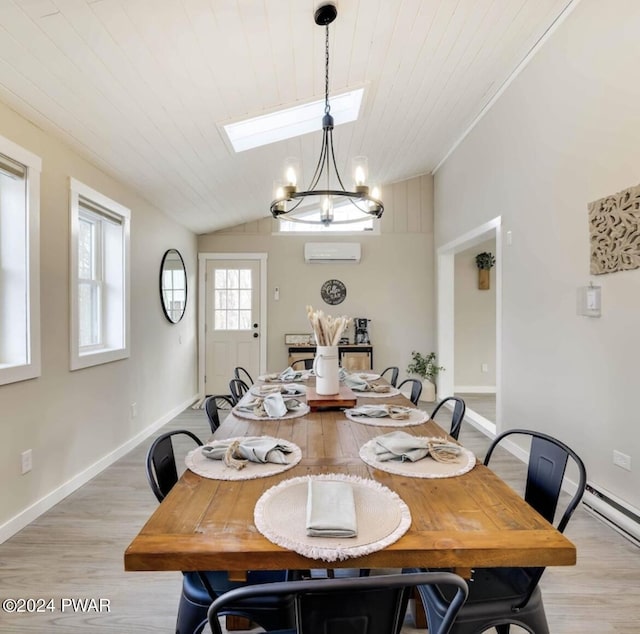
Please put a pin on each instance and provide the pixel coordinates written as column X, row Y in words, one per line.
column 327, row 329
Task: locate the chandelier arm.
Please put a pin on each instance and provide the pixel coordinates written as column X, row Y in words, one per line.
column 335, row 167
column 318, row 171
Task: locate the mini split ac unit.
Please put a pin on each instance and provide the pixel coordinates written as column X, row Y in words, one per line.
column 331, row 252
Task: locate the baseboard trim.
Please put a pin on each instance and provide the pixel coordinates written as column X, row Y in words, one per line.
column 31, row 513
column 475, row 389
column 482, row 424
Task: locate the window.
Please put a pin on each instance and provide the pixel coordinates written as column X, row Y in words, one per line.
column 99, row 278
column 19, row 263
column 232, row 299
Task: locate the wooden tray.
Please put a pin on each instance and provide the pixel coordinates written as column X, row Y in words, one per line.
column 344, row 398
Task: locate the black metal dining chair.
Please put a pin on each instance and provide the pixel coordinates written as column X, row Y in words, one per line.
column 307, row 364
column 243, row 375
column 459, row 409
column 416, row 389
column 201, row 588
column 212, row 406
column 392, row 372
column 238, row 389
column 358, row 605
column 501, row 597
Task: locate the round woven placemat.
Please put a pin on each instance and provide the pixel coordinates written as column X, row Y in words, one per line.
column 217, row 470
column 382, row 518
column 425, row 468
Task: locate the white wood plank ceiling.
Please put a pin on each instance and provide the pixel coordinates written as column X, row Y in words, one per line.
column 141, row 87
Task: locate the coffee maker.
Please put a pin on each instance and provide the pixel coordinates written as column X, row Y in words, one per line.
column 361, row 325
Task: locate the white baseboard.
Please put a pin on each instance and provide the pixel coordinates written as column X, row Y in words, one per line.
column 475, row 389
column 28, row 515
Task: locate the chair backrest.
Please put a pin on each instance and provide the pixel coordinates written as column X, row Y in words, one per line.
column 416, row 389
column 459, row 409
column 393, row 376
column 162, row 473
column 243, row 375
column 211, row 406
column 238, row 389
column 548, row 458
column 306, row 363
column 358, row 605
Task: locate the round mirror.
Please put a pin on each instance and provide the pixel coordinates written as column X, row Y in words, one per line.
column 173, row 286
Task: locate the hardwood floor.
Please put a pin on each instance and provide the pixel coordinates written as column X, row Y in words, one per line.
column 75, row 551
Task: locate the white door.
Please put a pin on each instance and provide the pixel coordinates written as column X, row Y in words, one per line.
column 232, row 328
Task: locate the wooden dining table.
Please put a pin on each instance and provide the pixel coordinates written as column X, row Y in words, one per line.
column 463, row 522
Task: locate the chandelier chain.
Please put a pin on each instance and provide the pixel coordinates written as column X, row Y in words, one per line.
column 327, row 107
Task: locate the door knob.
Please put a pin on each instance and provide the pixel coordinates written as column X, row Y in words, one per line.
column 255, row 325
column 255, row 335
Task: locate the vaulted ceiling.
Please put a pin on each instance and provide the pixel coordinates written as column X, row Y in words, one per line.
column 141, row 87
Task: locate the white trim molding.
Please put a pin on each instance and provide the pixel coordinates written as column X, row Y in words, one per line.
column 475, row 389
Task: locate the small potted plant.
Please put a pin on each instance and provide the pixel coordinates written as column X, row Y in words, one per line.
column 485, row 261
column 427, row 369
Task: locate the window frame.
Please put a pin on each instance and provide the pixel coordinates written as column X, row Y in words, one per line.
column 32, row 368
column 106, row 351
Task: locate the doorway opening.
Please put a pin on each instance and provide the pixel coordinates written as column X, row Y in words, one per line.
column 481, row 417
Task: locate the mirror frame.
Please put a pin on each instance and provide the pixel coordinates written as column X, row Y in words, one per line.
column 165, row 308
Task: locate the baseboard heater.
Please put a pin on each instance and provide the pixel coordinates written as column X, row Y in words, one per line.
column 614, row 512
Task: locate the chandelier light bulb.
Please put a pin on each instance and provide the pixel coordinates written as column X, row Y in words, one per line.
column 291, row 176
column 360, row 168
column 326, row 217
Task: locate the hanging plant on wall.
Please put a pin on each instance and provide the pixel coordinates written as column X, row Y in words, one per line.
column 485, row 261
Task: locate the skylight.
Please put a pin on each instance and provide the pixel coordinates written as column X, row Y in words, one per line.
column 292, row 122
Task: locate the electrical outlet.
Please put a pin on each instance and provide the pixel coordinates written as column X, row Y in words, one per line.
column 485, row 367
column 134, row 410
column 26, row 458
column 621, row 460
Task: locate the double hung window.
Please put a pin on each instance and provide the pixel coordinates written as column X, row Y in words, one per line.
column 99, row 278
column 19, row 263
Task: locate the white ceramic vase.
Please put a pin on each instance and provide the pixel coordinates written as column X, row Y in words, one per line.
column 326, row 368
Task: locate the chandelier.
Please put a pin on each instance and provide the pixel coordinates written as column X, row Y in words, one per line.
column 331, row 200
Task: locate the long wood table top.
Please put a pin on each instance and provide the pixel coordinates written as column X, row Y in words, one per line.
column 472, row 520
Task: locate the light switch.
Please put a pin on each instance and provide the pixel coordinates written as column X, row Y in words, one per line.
column 589, row 301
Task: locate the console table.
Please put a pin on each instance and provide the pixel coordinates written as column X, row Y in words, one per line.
column 353, row 357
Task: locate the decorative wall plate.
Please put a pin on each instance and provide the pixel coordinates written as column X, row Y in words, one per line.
column 333, row 292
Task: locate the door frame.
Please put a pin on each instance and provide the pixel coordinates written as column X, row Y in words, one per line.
column 446, row 314
column 203, row 258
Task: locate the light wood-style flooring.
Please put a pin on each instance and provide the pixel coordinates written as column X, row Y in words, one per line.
column 76, row 551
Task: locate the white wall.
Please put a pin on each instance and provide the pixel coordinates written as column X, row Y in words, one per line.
column 475, row 323
column 566, row 132
column 73, row 421
column 393, row 285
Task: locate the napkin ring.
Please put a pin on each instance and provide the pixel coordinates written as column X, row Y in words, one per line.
column 230, row 458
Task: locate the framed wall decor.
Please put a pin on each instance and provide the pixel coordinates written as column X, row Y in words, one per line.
column 333, row 292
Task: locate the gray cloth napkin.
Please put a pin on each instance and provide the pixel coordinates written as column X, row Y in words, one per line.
column 331, row 509
column 356, row 383
column 259, row 449
column 380, row 411
column 293, row 375
column 398, row 445
column 271, row 406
